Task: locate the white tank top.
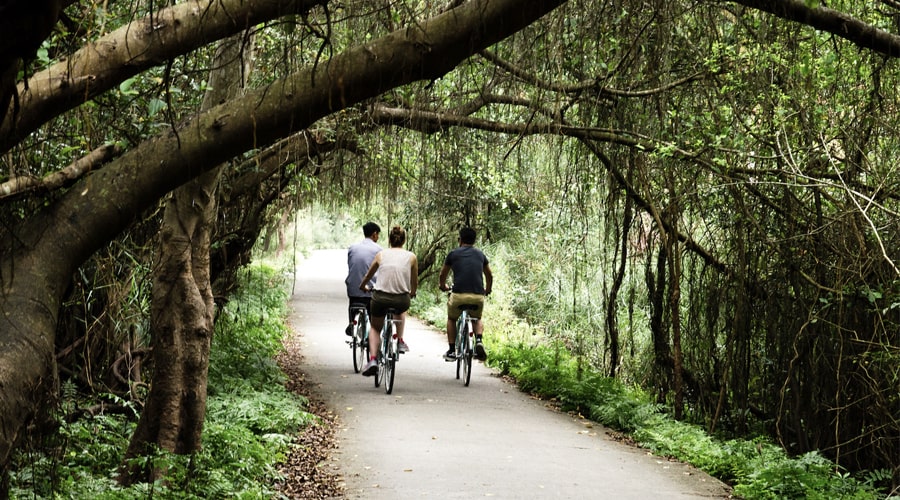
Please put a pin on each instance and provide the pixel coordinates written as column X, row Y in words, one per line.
column 394, row 271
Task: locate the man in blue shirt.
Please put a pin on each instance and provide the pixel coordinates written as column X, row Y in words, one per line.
column 359, row 258
column 472, row 280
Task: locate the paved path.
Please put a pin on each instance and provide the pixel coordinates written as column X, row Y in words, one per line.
column 435, row 438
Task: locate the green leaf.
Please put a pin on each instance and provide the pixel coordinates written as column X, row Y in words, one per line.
column 155, row 106
column 126, row 87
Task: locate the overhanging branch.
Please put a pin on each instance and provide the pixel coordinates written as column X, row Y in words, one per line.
column 832, row 21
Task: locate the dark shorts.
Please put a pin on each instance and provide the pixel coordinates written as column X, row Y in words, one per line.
column 359, row 301
column 381, row 301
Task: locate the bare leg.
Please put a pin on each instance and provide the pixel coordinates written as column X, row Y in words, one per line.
column 401, row 325
column 375, row 336
column 451, row 331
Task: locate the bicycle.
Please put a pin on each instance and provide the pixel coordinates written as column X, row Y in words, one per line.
column 465, row 343
column 389, row 352
column 359, row 341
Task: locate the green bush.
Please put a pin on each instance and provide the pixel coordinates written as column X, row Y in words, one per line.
column 756, row 468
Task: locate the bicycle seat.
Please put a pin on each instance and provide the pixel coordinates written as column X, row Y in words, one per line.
column 468, row 307
column 391, row 310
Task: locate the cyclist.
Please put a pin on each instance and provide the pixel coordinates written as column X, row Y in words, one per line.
column 472, row 280
column 397, row 277
column 359, row 257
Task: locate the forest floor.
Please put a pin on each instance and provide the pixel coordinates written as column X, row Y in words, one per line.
column 435, row 438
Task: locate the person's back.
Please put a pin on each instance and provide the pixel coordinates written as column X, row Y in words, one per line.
column 467, row 264
column 394, row 271
column 359, row 257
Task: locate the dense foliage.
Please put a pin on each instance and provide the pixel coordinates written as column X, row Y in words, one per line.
column 699, row 199
column 251, row 418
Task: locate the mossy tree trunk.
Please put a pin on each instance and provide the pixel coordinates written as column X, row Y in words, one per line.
column 183, row 310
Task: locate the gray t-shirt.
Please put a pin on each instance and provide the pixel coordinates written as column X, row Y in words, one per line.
column 467, row 264
column 359, row 258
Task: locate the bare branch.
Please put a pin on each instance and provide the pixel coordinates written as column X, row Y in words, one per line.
column 69, row 174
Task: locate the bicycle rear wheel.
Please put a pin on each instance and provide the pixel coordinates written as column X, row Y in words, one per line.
column 358, row 343
column 383, row 343
column 390, row 362
column 461, row 334
column 379, row 377
column 467, row 358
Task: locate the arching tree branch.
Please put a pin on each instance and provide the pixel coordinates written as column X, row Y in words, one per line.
column 832, row 21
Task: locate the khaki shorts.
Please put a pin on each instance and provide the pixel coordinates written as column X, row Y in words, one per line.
column 458, row 299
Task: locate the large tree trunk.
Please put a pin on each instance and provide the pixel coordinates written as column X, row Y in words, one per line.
column 36, row 265
column 183, row 310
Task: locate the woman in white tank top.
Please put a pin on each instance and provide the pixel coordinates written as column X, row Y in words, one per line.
column 397, row 273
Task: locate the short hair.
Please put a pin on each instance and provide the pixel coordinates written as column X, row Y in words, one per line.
column 397, row 236
column 370, row 228
column 467, row 236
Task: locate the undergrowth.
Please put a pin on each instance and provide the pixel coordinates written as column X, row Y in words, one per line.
column 756, row 468
column 249, row 422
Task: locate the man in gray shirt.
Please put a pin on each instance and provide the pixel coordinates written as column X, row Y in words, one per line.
column 359, row 258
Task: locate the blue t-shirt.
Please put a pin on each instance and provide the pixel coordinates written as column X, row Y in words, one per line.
column 467, row 264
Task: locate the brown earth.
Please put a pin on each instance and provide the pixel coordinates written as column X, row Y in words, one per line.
column 306, row 469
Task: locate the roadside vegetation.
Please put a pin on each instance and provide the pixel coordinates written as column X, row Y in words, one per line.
column 547, row 357
column 251, row 417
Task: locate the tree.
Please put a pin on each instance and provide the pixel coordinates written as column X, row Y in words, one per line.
column 49, row 245
column 183, row 309
column 784, row 238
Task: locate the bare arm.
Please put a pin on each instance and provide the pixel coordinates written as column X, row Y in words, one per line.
column 442, row 279
column 488, row 279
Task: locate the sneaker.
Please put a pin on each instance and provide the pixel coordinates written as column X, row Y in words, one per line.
column 370, row 369
column 450, row 355
column 479, row 351
column 403, row 347
column 349, row 330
